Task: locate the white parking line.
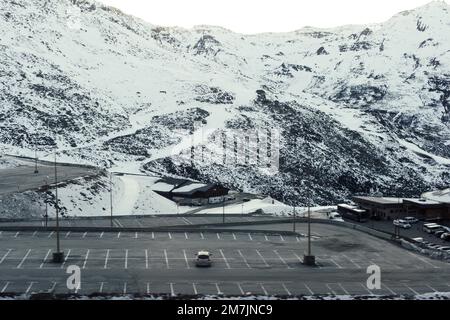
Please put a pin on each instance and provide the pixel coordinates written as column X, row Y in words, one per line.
column 337, row 265
column 250, row 237
column 240, row 288
column 281, row 237
column 414, row 291
column 45, row 258
column 243, row 258
column 4, row 257
column 309, row 289
column 101, row 235
column 17, row 234
column 50, row 234
column 29, row 287
column 126, row 259
column 34, row 234
column 172, row 291
column 423, row 260
column 234, row 236
column 86, row 258
column 365, row 288
column 351, row 260
column 148, row 288
column 185, row 258
column 201, row 235
column 5, row 287
column 170, row 236
column 281, row 258
column 218, row 289
column 186, row 236
column 153, row 235
column 262, row 258
column 65, row 259
column 286, row 289
column 265, row 237
column 101, row 287
column 225, row 259
column 298, row 258
column 298, row 239
column 84, row 235
column 186, row 221
column 106, row 259
column 389, row 289
column 195, row 288
column 23, row 259
column 264, row 289
column 329, row 288
column 167, row 259
column 118, row 235
column 67, row 234
column 343, row 289
column 218, row 236
column 118, row 223
column 125, row 288
column 136, row 235
column 146, row 258
column 431, row 288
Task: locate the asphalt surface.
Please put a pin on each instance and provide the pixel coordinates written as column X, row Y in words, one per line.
column 243, row 263
column 23, row 178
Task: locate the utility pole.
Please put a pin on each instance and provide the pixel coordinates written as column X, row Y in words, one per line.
column 295, row 217
column 111, row 198
column 58, row 256
column 309, row 259
column 35, row 161
column 223, row 209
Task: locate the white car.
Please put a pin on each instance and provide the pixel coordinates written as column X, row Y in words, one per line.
column 203, row 259
column 402, row 224
column 411, row 220
column 336, row 216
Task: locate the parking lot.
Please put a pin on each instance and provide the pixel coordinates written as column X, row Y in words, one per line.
column 243, row 263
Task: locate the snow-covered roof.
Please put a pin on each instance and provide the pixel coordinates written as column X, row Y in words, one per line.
column 162, row 186
column 189, row 187
column 439, row 195
column 381, row 200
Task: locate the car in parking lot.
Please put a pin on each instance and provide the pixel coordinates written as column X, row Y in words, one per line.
column 439, row 233
column 401, row 224
column 411, row 219
column 444, row 248
column 431, row 227
column 203, row 259
column 335, row 216
column 445, row 236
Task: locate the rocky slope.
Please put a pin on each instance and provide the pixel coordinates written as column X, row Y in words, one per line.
column 358, row 108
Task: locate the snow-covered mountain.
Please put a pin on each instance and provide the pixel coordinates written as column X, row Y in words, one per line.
column 358, row 108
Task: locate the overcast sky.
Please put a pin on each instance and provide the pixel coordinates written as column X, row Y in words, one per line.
column 251, row 16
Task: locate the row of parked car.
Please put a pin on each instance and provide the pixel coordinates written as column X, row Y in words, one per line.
column 405, row 223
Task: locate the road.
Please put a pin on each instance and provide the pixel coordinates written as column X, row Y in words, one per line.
column 244, row 263
column 22, row 178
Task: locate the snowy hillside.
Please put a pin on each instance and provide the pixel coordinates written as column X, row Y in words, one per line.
column 358, row 108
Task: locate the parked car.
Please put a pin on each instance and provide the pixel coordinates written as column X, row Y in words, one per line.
column 335, row 216
column 433, row 246
column 411, row 220
column 401, row 224
column 203, row 259
column 445, row 236
column 439, row 233
column 431, row 227
column 443, row 248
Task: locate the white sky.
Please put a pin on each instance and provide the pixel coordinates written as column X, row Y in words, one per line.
column 254, row 16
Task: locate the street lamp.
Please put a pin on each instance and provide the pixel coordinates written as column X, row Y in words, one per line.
column 58, row 256
column 308, row 258
column 111, row 198
column 35, row 161
column 46, row 201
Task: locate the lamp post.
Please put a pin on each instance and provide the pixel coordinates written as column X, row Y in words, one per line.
column 308, row 258
column 223, row 209
column 35, row 161
column 111, row 199
column 58, row 256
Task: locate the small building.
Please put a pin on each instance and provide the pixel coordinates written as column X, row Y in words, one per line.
column 381, row 207
column 426, row 209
